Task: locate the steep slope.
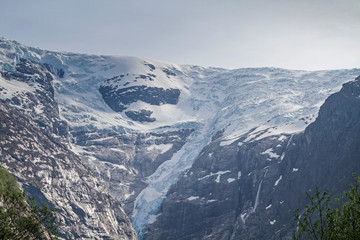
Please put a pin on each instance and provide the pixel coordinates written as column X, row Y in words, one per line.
column 31, row 147
column 139, row 124
column 250, row 189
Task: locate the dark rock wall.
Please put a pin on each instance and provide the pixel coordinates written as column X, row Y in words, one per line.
column 119, row 99
column 214, row 201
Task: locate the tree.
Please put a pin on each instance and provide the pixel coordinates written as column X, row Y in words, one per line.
column 328, row 218
column 20, row 216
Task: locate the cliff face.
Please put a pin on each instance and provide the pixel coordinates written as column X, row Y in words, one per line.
column 250, row 190
column 32, row 147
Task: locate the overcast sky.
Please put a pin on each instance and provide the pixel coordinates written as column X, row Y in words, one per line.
column 301, row 34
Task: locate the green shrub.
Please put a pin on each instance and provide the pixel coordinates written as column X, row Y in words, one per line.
column 329, row 218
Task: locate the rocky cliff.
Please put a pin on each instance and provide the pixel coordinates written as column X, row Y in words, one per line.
column 32, row 147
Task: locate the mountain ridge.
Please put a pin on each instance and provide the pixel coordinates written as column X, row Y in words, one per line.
column 142, row 149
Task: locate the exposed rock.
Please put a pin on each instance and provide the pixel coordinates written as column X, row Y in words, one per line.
column 140, row 116
column 32, row 148
column 119, row 99
column 123, row 160
column 250, row 190
column 169, row 72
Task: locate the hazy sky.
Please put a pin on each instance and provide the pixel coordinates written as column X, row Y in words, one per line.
column 301, row 34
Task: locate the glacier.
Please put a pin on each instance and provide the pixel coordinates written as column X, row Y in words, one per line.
column 240, row 102
column 258, row 102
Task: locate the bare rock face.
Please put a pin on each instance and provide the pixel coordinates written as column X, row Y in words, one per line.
column 32, row 147
column 123, row 160
column 250, row 190
column 119, row 99
column 40, row 100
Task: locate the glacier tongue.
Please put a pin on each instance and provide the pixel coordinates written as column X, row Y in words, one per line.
column 148, row 201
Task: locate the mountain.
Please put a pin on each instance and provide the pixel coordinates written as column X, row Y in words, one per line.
column 249, row 189
column 185, row 152
column 32, row 148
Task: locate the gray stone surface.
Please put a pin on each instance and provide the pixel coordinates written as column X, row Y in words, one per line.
column 32, row 148
column 214, row 201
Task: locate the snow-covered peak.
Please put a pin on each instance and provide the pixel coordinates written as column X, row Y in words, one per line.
column 231, row 100
column 77, row 88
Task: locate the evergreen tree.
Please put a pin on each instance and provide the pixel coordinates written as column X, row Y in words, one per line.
column 20, row 216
